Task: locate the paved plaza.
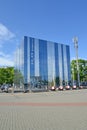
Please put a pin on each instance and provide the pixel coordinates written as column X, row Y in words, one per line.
column 60, row 110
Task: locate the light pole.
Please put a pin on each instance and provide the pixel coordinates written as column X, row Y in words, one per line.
column 75, row 40
column 73, row 75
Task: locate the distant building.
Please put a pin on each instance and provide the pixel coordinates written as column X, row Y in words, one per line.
column 42, row 62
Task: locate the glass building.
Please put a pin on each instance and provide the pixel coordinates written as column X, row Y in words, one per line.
column 40, row 63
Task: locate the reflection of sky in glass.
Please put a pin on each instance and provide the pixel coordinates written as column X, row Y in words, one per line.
column 43, row 58
column 36, row 57
column 51, row 62
column 28, row 61
column 60, row 62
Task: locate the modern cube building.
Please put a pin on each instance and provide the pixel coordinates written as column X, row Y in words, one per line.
column 42, row 63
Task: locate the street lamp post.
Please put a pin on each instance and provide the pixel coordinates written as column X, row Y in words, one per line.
column 75, row 40
column 73, row 76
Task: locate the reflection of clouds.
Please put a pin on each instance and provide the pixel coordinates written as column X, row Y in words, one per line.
column 51, row 62
column 60, row 62
column 37, row 63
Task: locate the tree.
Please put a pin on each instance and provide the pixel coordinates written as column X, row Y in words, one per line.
column 82, row 70
column 18, row 77
column 6, row 75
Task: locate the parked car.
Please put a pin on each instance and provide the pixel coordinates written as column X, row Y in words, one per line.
column 60, row 88
column 84, row 85
column 26, row 90
column 67, row 87
column 80, row 87
column 2, row 87
column 74, row 87
column 53, row 88
column 6, row 88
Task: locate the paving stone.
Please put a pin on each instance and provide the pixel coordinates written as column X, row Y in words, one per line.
column 26, row 117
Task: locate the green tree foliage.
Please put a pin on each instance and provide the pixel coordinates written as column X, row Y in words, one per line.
column 82, row 69
column 18, row 77
column 6, row 75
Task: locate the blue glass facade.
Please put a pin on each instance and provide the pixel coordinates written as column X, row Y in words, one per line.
column 43, row 62
column 56, row 60
column 32, row 57
column 43, row 70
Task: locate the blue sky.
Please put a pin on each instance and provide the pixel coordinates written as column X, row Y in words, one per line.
column 53, row 20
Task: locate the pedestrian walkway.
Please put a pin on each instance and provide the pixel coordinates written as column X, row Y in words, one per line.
column 44, row 111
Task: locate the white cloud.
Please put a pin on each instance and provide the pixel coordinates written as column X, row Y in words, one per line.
column 73, row 58
column 6, row 36
column 5, row 33
column 6, row 62
column 4, row 55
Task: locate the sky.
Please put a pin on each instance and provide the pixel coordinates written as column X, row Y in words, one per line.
column 53, row 20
